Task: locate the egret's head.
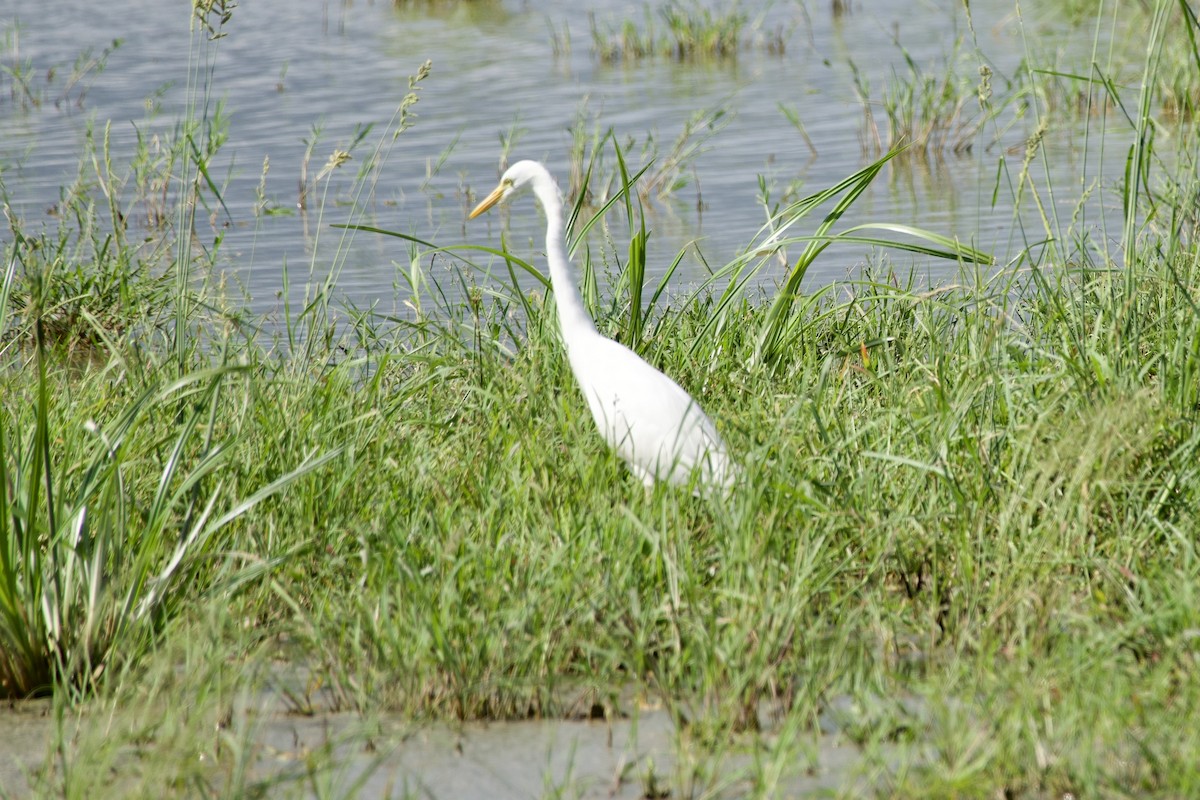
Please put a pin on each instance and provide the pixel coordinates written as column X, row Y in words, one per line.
column 515, row 178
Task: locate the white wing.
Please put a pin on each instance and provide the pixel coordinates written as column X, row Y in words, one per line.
column 652, row 423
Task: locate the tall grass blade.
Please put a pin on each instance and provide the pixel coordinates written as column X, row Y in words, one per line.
column 634, row 274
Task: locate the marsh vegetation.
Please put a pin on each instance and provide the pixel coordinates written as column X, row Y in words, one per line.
column 964, row 542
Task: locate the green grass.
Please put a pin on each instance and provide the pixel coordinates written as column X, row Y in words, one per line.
column 959, row 102
column 59, row 85
column 987, row 512
column 690, row 31
column 937, row 111
column 966, row 529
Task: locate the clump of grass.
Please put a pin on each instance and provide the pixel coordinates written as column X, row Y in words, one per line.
column 84, row 283
column 935, row 111
column 780, row 327
column 699, row 31
column 666, row 173
column 1175, row 72
column 32, row 86
column 693, row 31
column 1092, row 84
column 973, row 498
column 110, row 502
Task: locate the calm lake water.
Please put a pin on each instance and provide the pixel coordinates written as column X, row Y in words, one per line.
column 289, row 72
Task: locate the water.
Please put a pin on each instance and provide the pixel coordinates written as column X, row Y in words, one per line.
column 287, row 70
column 386, row 755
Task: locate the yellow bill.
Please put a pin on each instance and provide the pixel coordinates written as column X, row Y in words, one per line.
column 488, row 202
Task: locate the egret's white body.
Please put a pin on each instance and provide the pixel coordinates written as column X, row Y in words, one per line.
column 653, row 424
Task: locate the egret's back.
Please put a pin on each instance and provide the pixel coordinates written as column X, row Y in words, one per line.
column 652, row 423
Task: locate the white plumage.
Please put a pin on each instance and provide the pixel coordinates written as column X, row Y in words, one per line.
column 653, row 424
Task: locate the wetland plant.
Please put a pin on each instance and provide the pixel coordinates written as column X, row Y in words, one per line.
column 32, row 86
column 693, row 31
column 931, row 112
column 966, row 534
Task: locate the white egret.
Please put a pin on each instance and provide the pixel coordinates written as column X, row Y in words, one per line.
column 653, row 424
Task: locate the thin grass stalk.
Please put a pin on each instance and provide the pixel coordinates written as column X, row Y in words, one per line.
column 16, row 650
column 588, row 287
column 43, row 465
column 1137, row 163
column 1088, row 126
column 6, row 286
column 634, row 274
column 316, row 310
column 185, row 220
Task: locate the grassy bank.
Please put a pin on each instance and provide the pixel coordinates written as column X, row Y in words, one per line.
column 964, row 537
column 972, row 510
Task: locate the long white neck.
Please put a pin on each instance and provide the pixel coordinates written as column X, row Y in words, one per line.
column 573, row 317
